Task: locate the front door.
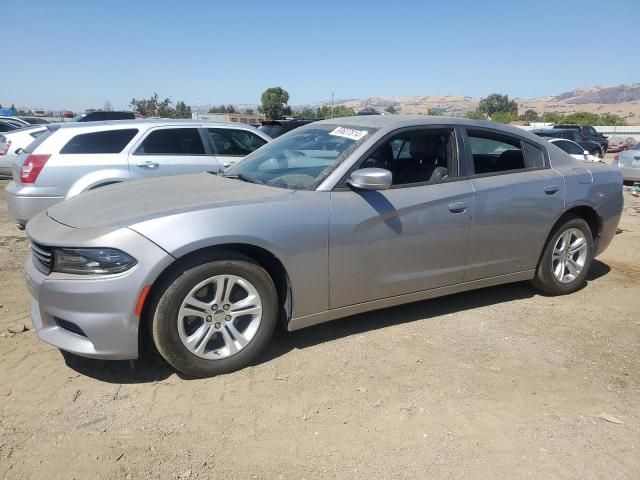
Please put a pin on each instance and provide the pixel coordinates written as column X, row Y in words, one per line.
column 409, row 238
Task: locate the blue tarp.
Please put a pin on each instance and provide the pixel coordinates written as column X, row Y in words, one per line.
column 6, row 112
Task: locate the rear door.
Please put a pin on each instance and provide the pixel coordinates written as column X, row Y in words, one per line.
column 171, row 150
column 518, row 197
column 231, row 145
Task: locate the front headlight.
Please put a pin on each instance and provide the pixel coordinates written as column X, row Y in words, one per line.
column 88, row 261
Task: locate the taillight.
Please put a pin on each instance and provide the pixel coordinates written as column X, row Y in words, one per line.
column 32, row 167
column 4, row 147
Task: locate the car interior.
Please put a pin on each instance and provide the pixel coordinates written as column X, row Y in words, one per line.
column 415, row 157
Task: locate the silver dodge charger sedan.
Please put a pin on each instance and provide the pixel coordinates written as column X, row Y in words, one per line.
column 332, row 219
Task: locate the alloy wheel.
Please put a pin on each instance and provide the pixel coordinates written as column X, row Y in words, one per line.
column 219, row 317
column 569, row 255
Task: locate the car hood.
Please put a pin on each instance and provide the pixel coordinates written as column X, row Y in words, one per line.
column 128, row 203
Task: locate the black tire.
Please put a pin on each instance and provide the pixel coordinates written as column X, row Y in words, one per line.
column 545, row 280
column 164, row 325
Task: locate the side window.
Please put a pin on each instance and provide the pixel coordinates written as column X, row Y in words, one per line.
column 593, row 132
column 533, row 156
column 494, row 153
column 415, row 157
column 172, row 141
column 230, row 142
column 570, row 147
column 110, row 141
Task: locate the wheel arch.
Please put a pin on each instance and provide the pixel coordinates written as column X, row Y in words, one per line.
column 238, row 251
column 587, row 213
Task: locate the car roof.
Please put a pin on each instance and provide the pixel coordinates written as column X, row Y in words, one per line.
column 155, row 122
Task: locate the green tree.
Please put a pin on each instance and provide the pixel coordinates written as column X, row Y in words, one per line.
column 13, row 109
column 504, row 117
column 497, row 103
column 476, row 115
column 552, row 117
column 274, row 103
column 153, row 107
column 530, row 116
column 326, row 111
column 182, row 110
column 248, row 111
column 306, row 113
column 433, row 111
column 391, row 109
column 611, row 119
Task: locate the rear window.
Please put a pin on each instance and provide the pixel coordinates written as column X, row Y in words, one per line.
column 172, row 141
column 273, row 130
column 110, row 141
column 533, row 156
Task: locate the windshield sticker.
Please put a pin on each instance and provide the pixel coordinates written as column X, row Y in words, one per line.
column 349, row 133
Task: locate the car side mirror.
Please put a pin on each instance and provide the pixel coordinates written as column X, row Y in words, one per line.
column 19, row 151
column 370, row 179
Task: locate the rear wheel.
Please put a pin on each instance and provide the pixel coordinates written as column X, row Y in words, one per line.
column 566, row 259
column 215, row 318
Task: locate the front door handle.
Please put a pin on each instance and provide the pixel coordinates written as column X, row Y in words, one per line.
column 148, row 165
column 458, row 207
column 551, row 189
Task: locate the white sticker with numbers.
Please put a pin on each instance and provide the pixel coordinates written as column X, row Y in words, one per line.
column 350, row 133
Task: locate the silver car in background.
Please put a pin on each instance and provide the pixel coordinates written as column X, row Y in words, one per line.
column 334, row 218
column 12, row 143
column 628, row 162
column 72, row 158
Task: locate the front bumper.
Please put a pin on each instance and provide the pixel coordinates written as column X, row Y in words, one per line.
column 91, row 316
column 25, row 202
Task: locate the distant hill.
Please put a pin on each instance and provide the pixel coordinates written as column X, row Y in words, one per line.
column 623, row 100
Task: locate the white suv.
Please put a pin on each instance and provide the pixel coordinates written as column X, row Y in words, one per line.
column 74, row 157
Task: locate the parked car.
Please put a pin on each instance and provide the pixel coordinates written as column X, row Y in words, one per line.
column 34, row 120
column 71, row 158
column 619, row 144
column 629, row 163
column 335, row 218
column 39, row 112
column 100, row 116
column 15, row 141
column 589, row 133
column 573, row 149
column 569, row 134
column 13, row 119
column 275, row 128
column 7, row 125
column 69, row 114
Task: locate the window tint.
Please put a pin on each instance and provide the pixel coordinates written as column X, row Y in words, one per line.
column 569, row 147
column 534, row 158
column 593, row 132
column 120, row 116
column 231, row 142
column 110, row 141
column 494, row 153
column 415, row 157
column 172, row 141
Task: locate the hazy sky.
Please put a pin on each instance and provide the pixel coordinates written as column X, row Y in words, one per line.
column 77, row 54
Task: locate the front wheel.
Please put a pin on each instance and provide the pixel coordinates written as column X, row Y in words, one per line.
column 215, row 318
column 566, row 259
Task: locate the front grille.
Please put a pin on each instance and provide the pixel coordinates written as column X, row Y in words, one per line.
column 43, row 256
column 69, row 326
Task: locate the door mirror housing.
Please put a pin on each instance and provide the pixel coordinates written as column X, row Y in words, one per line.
column 370, row 179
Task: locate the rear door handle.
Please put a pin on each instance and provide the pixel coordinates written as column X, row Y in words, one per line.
column 458, row 207
column 551, row 189
column 148, row 165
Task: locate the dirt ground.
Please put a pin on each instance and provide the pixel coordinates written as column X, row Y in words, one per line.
column 500, row 383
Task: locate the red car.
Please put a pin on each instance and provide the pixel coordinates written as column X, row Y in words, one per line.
column 67, row 114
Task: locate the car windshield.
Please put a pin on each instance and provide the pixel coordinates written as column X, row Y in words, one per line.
column 635, row 147
column 302, row 158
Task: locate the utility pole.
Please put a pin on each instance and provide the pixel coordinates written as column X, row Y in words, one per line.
column 332, row 94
